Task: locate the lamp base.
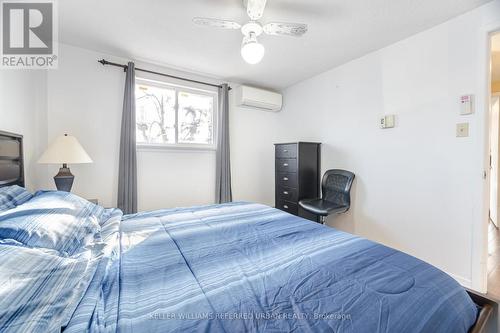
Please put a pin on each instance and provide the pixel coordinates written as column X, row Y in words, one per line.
column 64, row 179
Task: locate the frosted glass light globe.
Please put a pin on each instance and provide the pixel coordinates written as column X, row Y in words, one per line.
column 252, row 51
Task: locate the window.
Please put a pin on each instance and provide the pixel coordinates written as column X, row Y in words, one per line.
column 173, row 116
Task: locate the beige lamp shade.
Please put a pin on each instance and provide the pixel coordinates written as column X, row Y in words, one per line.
column 65, row 150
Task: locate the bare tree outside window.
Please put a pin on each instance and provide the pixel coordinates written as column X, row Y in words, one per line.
column 170, row 115
column 195, row 118
column 155, row 115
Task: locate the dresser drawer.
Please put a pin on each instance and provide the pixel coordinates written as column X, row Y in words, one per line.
column 286, row 151
column 286, row 164
column 286, row 193
column 286, row 179
column 287, row 206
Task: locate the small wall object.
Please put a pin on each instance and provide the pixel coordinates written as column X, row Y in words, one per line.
column 466, row 104
column 387, row 121
column 462, row 130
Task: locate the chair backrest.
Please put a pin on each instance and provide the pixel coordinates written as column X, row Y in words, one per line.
column 336, row 186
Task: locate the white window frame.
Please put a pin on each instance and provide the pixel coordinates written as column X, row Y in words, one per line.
column 182, row 146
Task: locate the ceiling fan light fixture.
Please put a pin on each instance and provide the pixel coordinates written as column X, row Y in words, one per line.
column 251, row 50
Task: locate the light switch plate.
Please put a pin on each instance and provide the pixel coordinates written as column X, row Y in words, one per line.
column 387, row 121
column 462, row 130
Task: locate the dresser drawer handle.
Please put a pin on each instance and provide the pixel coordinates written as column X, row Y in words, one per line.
column 285, row 178
column 285, row 164
column 285, row 206
column 285, row 192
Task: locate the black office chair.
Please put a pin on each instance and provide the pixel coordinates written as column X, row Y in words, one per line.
column 336, row 195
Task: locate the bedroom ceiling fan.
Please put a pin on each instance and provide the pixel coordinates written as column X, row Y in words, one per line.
column 251, row 50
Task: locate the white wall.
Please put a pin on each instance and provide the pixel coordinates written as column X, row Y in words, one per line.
column 85, row 100
column 418, row 187
column 22, row 111
column 252, row 134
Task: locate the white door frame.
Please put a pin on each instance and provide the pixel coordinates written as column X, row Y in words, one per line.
column 494, row 158
column 479, row 230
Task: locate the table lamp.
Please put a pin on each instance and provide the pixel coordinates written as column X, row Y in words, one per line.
column 65, row 150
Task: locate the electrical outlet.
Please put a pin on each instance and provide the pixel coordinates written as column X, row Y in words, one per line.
column 462, row 130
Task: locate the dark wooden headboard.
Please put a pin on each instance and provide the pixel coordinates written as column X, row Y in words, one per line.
column 11, row 159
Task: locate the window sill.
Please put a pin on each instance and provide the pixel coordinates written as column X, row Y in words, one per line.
column 178, row 148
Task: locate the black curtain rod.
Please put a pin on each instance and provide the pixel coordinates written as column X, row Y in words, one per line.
column 105, row 62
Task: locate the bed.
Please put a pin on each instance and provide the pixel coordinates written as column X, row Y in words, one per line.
column 238, row 267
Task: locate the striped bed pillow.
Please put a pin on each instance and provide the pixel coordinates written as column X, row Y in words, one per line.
column 13, row 196
column 54, row 220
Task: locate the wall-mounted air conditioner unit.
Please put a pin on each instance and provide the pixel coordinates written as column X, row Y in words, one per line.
column 258, row 98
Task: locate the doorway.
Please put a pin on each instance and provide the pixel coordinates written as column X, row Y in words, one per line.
column 493, row 264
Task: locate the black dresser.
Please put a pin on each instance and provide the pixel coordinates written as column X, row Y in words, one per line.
column 298, row 174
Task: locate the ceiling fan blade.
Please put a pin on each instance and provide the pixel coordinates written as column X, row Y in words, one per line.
column 255, row 8
column 285, row 29
column 216, row 23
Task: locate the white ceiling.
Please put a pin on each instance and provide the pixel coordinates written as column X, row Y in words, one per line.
column 162, row 31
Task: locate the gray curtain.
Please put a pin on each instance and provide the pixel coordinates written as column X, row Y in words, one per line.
column 222, row 165
column 127, row 172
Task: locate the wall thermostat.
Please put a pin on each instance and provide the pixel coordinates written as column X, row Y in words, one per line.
column 467, row 104
column 387, row 121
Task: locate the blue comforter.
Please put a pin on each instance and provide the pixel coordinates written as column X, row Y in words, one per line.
column 244, row 267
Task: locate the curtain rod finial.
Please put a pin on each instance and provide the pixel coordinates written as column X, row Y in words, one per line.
column 102, row 61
